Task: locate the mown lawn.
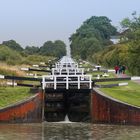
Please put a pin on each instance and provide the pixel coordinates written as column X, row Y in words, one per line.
column 129, row 94
column 10, row 95
column 95, row 73
column 112, row 82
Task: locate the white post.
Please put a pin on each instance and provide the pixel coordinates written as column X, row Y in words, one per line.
column 54, row 82
column 43, row 83
column 78, row 82
column 90, row 82
column 52, row 71
column 67, row 82
column 2, row 76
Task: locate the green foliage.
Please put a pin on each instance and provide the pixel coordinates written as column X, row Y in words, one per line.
column 12, row 57
column 35, row 59
column 31, row 50
column 9, row 56
column 60, row 48
column 133, row 38
column 125, row 23
column 56, row 49
column 12, row 53
column 12, row 45
column 113, row 55
column 91, row 37
column 127, row 52
column 47, row 48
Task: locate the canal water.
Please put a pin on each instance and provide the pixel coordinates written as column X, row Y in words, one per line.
column 68, row 131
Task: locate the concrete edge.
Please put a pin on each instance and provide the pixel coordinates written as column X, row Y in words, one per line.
column 19, row 102
column 113, row 99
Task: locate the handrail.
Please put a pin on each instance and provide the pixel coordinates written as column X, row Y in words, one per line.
column 66, row 79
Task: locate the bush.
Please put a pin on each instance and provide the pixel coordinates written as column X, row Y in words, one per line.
column 9, row 56
column 113, row 55
column 35, row 59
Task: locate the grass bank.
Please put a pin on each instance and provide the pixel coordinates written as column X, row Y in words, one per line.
column 10, row 70
column 129, row 94
column 11, row 95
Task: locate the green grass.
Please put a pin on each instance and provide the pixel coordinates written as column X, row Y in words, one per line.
column 31, row 82
column 10, row 95
column 97, row 72
column 93, row 73
column 111, row 82
column 87, row 65
column 129, row 94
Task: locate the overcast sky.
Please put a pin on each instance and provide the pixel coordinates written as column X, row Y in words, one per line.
column 32, row 22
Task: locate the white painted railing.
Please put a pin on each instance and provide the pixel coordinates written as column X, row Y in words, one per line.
column 66, row 65
column 66, row 80
column 69, row 70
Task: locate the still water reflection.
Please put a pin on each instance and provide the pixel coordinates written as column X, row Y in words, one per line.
column 68, row 131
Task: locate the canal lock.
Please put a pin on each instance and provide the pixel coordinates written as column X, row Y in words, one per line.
column 75, row 103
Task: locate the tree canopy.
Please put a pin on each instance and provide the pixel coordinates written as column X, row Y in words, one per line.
column 56, row 49
column 12, row 44
column 133, row 38
column 128, row 51
column 93, row 35
column 30, row 50
column 8, row 55
column 12, row 53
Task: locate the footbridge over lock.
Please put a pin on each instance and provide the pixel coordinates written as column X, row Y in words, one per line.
column 67, row 91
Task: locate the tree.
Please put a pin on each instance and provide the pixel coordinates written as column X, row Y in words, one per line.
column 113, row 55
column 93, row 35
column 60, row 48
column 47, row 48
column 12, row 44
column 56, row 49
column 31, row 50
column 132, row 35
column 9, row 56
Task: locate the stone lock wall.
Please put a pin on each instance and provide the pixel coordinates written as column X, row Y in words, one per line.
column 29, row 110
column 105, row 109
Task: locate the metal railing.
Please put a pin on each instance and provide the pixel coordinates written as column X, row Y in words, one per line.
column 66, row 80
column 68, row 71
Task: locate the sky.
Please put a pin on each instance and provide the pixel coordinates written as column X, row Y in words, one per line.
column 33, row 22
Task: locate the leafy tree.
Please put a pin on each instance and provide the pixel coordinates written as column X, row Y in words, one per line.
column 35, row 59
column 60, row 48
column 128, row 51
column 47, row 48
column 113, row 55
column 31, row 50
column 9, row 56
column 12, row 44
column 93, row 35
column 56, row 49
column 132, row 35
